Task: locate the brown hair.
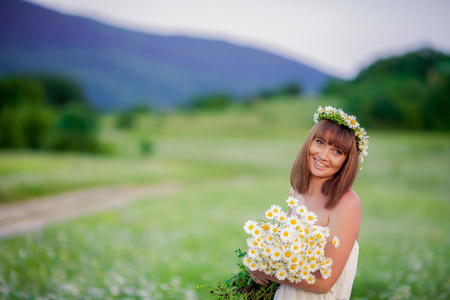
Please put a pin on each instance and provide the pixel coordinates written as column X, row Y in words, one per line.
column 340, row 137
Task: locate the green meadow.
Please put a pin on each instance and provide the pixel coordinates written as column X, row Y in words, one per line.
column 231, row 166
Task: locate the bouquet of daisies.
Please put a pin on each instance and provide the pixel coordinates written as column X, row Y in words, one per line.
column 289, row 247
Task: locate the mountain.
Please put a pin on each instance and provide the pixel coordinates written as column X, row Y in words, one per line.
column 119, row 67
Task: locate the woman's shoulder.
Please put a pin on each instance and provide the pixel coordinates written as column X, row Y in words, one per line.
column 349, row 202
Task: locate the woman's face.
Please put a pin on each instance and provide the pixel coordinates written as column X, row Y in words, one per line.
column 324, row 160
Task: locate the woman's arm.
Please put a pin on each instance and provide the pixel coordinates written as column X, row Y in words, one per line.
column 344, row 222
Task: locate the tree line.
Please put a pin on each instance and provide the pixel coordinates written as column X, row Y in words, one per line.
column 411, row 91
column 46, row 111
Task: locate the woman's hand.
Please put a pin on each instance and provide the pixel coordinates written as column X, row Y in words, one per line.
column 259, row 280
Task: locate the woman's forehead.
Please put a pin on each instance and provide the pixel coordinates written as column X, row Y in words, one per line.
column 335, row 138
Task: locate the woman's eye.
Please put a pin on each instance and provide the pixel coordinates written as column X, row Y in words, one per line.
column 319, row 142
column 337, row 152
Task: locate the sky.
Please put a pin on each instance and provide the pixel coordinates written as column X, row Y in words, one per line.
column 339, row 37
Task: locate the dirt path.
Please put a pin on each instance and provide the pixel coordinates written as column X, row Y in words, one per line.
column 17, row 218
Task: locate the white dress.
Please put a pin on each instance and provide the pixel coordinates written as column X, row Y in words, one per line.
column 340, row 291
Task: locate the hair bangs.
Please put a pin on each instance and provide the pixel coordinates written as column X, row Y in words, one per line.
column 336, row 135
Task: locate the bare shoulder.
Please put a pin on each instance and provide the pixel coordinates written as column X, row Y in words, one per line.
column 349, row 203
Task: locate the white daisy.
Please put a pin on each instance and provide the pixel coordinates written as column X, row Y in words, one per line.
column 287, row 255
column 274, row 229
column 270, row 215
column 304, row 274
column 257, row 232
column 293, row 221
column 277, row 254
column 336, row 242
column 295, row 278
column 281, row 217
column 250, row 226
column 326, row 272
column 351, row 122
column 291, row 201
column 311, row 279
column 268, row 250
column 326, row 263
column 252, row 252
column 286, row 234
column 276, row 209
column 316, row 118
column 265, row 226
column 300, row 210
column 253, row 266
column 329, row 109
column 293, row 269
column 320, row 110
column 270, row 239
column 310, row 217
column 281, row 274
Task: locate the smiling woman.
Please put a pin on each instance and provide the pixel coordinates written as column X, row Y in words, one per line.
column 321, row 180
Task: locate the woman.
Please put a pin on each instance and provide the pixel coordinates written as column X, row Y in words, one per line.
column 321, row 180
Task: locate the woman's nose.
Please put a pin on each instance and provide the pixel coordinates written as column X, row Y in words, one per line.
column 324, row 153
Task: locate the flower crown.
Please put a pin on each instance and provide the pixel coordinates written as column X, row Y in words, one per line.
column 338, row 116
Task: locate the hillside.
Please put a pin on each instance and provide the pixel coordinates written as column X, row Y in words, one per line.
column 118, row 67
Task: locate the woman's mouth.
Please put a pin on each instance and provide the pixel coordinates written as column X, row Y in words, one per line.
column 319, row 163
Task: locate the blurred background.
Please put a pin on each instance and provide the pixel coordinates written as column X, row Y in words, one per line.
column 137, row 137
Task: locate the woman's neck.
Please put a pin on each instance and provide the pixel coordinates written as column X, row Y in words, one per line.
column 315, row 185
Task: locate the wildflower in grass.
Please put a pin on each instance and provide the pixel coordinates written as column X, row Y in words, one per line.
column 336, row 242
column 292, row 201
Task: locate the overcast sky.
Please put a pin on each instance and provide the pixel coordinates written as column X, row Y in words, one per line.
column 336, row 36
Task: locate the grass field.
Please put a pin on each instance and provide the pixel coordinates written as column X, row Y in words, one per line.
column 232, row 165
